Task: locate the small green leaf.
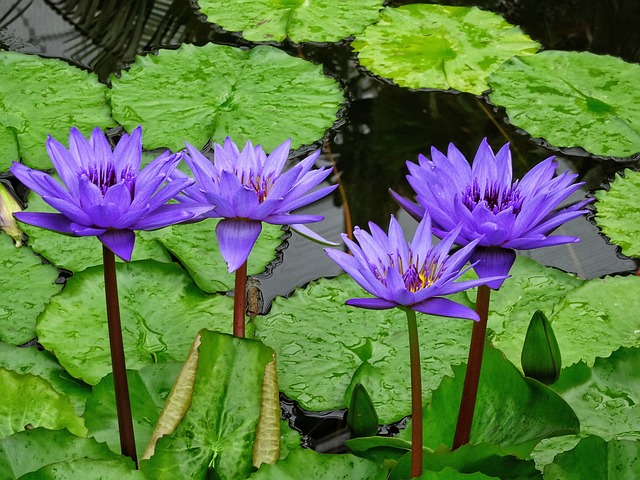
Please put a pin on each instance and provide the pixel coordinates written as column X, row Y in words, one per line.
column 301, row 21
column 45, row 96
column 541, row 358
column 442, row 47
column 197, row 94
column 573, row 99
column 362, row 418
column 617, row 215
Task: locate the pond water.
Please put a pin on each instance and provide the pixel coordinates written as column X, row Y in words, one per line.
column 381, row 125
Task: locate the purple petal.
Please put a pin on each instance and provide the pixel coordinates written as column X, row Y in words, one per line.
column 416, row 211
column 445, row 308
column 51, row 221
column 236, row 238
column 371, row 303
column 311, row 235
column 539, row 241
column 282, row 219
column 120, row 242
column 493, row 262
column 166, row 215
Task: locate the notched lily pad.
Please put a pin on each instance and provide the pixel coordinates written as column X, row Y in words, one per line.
column 40, row 96
column 161, row 311
column 617, row 214
column 573, row 99
column 300, row 20
column 195, row 94
column 441, row 47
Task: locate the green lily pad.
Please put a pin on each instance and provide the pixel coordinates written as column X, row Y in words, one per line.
column 195, row 94
column 161, row 311
column 514, row 412
column 121, row 468
column 45, row 447
column 442, row 47
column 30, row 401
column 148, row 389
column 449, row 473
column 78, row 253
column 219, row 428
column 40, row 96
column 196, row 247
column 317, row 466
column 573, row 99
column 616, row 214
column 322, row 343
column 21, row 271
column 301, row 21
column 606, row 396
column 597, row 459
column 44, row 365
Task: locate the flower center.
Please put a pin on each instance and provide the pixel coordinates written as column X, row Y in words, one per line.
column 106, row 176
column 494, row 197
column 259, row 184
column 416, row 276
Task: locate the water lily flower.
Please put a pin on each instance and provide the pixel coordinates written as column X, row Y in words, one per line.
column 247, row 188
column 484, row 199
column 103, row 192
column 412, row 275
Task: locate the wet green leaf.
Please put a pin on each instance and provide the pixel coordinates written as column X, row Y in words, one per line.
column 45, row 447
column 219, row 428
column 597, row 459
column 617, row 214
column 301, row 21
column 194, row 94
column 121, row 468
column 441, row 47
column 573, row 99
column 21, row 271
column 44, row 365
column 44, row 96
column 606, row 396
column 161, row 311
column 317, row 466
column 196, row 247
column 30, row 401
column 148, row 389
column 319, row 344
column 78, row 253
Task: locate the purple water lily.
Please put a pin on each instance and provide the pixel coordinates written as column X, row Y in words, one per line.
column 248, row 188
column 103, row 192
column 414, row 275
column 487, row 203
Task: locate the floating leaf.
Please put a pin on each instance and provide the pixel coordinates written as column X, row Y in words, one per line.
column 573, row 99
column 30, row 401
column 44, row 365
column 121, row 468
column 301, row 21
column 442, row 47
column 321, row 343
column 148, row 389
column 617, row 216
column 219, row 428
column 597, row 459
column 21, row 271
column 194, row 94
column 317, row 466
column 40, row 96
column 45, row 447
column 196, row 246
column 161, row 309
column 606, row 397
column 78, row 253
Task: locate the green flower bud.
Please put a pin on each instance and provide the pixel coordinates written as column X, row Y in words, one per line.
column 362, row 418
column 8, row 205
column 540, row 354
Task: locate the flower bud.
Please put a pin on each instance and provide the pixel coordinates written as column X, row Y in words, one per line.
column 540, row 354
column 362, row 418
column 8, row 205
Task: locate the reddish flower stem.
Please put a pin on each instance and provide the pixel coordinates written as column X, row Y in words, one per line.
column 474, row 364
column 239, row 300
column 118, row 366
column 416, row 395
